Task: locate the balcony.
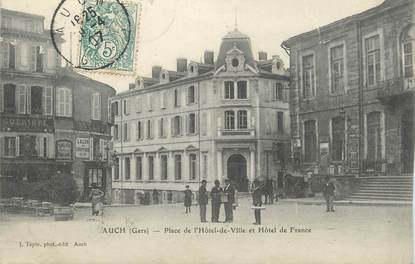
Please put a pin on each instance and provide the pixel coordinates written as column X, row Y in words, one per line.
column 236, row 132
column 93, row 126
column 395, row 88
column 26, row 123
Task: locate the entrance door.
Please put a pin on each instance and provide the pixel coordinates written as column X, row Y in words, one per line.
column 237, row 172
column 407, row 142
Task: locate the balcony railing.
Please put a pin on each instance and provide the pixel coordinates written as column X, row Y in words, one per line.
column 373, row 165
column 236, row 132
column 396, row 87
column 93, row 126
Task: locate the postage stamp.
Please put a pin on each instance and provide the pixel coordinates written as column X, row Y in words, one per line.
column 100, row 35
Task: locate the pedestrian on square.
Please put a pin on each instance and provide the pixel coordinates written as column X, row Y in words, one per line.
column 229, row 191
column 328, row 192
column 203, row 201
column 215, row 195
column 188, row 199
column 257, row 201
column 96, row 198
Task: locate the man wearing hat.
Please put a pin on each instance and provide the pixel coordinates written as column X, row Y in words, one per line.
column 203, row 201
column 229, row 191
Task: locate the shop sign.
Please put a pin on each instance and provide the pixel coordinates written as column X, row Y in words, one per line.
column 82, row 148
column 63, row 150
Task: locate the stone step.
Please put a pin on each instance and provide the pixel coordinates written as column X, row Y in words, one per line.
column 371, row 197
column 384, row 192
column 364, row 185
column 406, row 188
column 383, row 195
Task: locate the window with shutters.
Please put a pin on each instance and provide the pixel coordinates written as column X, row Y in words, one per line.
column 242, row 119
column 280, row 122
column 163, row 100
column 229, row 120
column 96, row 106
column 177, row 126
column 114, row 109
column 149, row 129
column 139, row 104
column 163, row 167
column 176, row 98
column 127, row 168
column 177, row 167
column 373, row 66
column 10, row 147
column 37, row 53
column 9, row 97
column 242, row 90
column 277, row 92
column 192, row 166
column 408, row 58
column 192, row 123
column 162, row 128
column 338, row 139
column 12, row 56
column 310, row 141
column 139, row 130
column 115, row 132
column 373, row 136
column 36, row 96
column 47, row 100
column 308, row 78
column 125, row 128
column 138, row 168
column 21, row 99
column 64, row 102
column 117, row 169
column 191, row 94
column 337, row 68
column 151, row 168
column 150, row 102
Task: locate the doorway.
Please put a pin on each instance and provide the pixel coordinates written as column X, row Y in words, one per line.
column 407, row 142
column 237, row 172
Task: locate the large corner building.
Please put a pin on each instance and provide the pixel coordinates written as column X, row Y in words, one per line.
column 223, row 118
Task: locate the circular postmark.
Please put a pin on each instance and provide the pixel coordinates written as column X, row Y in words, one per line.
column 97, row 32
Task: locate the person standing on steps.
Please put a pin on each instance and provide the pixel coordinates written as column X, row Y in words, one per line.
column 203, row 201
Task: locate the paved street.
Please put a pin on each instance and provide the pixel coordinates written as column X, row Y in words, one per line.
column 371, row 234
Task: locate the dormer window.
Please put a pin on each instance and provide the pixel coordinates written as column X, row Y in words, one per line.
column 235, row 62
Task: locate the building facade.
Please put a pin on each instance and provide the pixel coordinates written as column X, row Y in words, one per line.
column 46, row 110
column 351, row 100
column 212, row 120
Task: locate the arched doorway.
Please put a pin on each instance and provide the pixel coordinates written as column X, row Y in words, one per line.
column 237, row 172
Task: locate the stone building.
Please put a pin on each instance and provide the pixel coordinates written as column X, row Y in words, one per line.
column 45, row 110
column 352, row 86
column 206, row 120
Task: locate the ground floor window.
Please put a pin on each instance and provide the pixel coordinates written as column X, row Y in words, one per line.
column 193, row 166
column 138, row 167
column 117, row 169
column 151, row 168
column 374, row 144
column 95, row 177
column 338, row 138
column 10, row 146
column 177, row 167
column 164, row 167
column 127, row 168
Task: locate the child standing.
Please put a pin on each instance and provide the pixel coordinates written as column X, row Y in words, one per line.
column 188, row 199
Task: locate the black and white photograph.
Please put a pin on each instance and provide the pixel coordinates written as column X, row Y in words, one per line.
column 196, row 131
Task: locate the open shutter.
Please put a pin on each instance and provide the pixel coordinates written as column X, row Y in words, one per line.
column 102, row 144
column 2, row 146
column 18, row 57
column 183, row 124
column 70, row 101
column 58, row 102
column 91, row 148
column 29, row 99
column 197, row 123
column 17, row 146
column 33, row 58
column 172, row 126
column 1, row 98
column 5, row 54
column 24, row 59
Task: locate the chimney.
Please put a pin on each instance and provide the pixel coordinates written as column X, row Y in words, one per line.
column 208, row 56
column 181, row 65
column 155, row 72
column 262, row 55
column 131, row 86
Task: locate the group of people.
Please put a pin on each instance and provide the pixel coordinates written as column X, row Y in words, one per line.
column 218, row 195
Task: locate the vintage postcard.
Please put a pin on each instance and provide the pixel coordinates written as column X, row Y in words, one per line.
column 195, row 131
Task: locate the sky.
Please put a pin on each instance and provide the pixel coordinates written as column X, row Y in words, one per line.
column 170, row 29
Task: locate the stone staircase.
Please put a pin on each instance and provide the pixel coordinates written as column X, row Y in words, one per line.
column 395, row 188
